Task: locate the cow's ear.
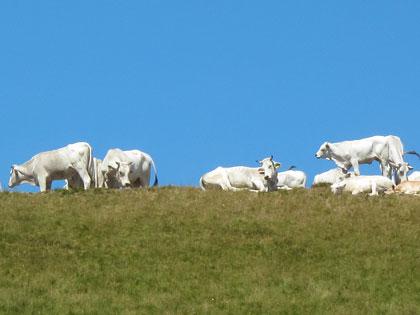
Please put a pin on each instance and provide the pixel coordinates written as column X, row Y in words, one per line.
column 129, row 164
column 327, row 145
column 410, row 167
column 17, row 169
column 277, row 165
column 111, row 168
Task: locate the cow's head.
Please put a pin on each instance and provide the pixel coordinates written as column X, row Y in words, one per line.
column 324, row 151
column 17, row 176
column 268, row 168
column 402, row 171
column 120, row 173
column 338, row 187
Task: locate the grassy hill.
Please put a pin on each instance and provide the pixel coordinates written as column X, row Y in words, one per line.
column 182, row 250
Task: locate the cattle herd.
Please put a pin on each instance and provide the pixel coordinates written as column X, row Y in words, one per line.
column 76, row 165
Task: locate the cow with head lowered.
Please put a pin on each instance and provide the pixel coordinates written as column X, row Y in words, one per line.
column 64, row 163
column 123, row 169
column 237, row 178
column 387, row 150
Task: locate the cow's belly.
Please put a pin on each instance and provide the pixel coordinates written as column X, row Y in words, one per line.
column 239, row 180
column 62, row 174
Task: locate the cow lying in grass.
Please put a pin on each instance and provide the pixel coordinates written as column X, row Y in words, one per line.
column 258, row 179
column 408, row 187
column 291, row 179
column 331, row 176
column 363, row 184
column 414, row 176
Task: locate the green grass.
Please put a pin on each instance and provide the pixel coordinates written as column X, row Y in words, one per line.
column 182, row 250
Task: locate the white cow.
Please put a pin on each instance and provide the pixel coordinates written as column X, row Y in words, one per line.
column 387, row 150
column 1, row 187
column 291, row 179
column 127, row 169
column 360, row 184
column 75, row 182
column 415, row 176
column 58, row 164
column 263, row 178
column 331, row 176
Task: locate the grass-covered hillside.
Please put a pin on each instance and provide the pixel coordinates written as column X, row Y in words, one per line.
column 182, row 250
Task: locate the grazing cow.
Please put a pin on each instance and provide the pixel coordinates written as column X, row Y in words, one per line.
column 291, row 179
column 408, row 187
column 360, row 184
column 63, row 163
column 1, row 187
column 331, row 176
column 387, row 150
column 122, row 169
column 259, row 179
column 414, row 176
column 75, row 182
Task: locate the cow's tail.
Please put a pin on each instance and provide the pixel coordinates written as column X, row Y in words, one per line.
column 304, row 181
column 202, row 183
column 156, row 182
column 412, row 152
column 91, row 166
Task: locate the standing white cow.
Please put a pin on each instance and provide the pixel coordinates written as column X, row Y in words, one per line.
column 331, row 176
column 415, row 176
column 263, row 178
column 387, row 150
column 291, row 179
column 127, row 169
column 360, row 184
column 58, row 164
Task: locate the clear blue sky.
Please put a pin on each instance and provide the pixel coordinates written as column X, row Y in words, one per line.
column 198, row 84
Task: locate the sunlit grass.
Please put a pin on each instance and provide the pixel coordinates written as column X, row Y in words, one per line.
column 182, row 250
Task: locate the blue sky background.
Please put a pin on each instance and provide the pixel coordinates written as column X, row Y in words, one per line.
column 198, row 84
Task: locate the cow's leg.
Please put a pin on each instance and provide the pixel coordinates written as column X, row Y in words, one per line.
column 84, row 175
column 355, row 164
column 386, row 169
column 48, row 183
column 374, row 189
column 42, row 182
column 145, row 179
column 141, row 182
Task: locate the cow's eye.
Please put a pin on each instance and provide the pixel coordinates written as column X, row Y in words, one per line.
column 121, row 173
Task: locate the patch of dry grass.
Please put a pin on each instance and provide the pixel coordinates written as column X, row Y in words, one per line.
column 182, row 250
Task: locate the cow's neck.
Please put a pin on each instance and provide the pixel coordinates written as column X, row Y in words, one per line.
column 337, row 155
column 27, row 169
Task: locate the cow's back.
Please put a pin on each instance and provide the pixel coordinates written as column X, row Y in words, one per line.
column 291, row 178
column 214, row 179
column 415, row 176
